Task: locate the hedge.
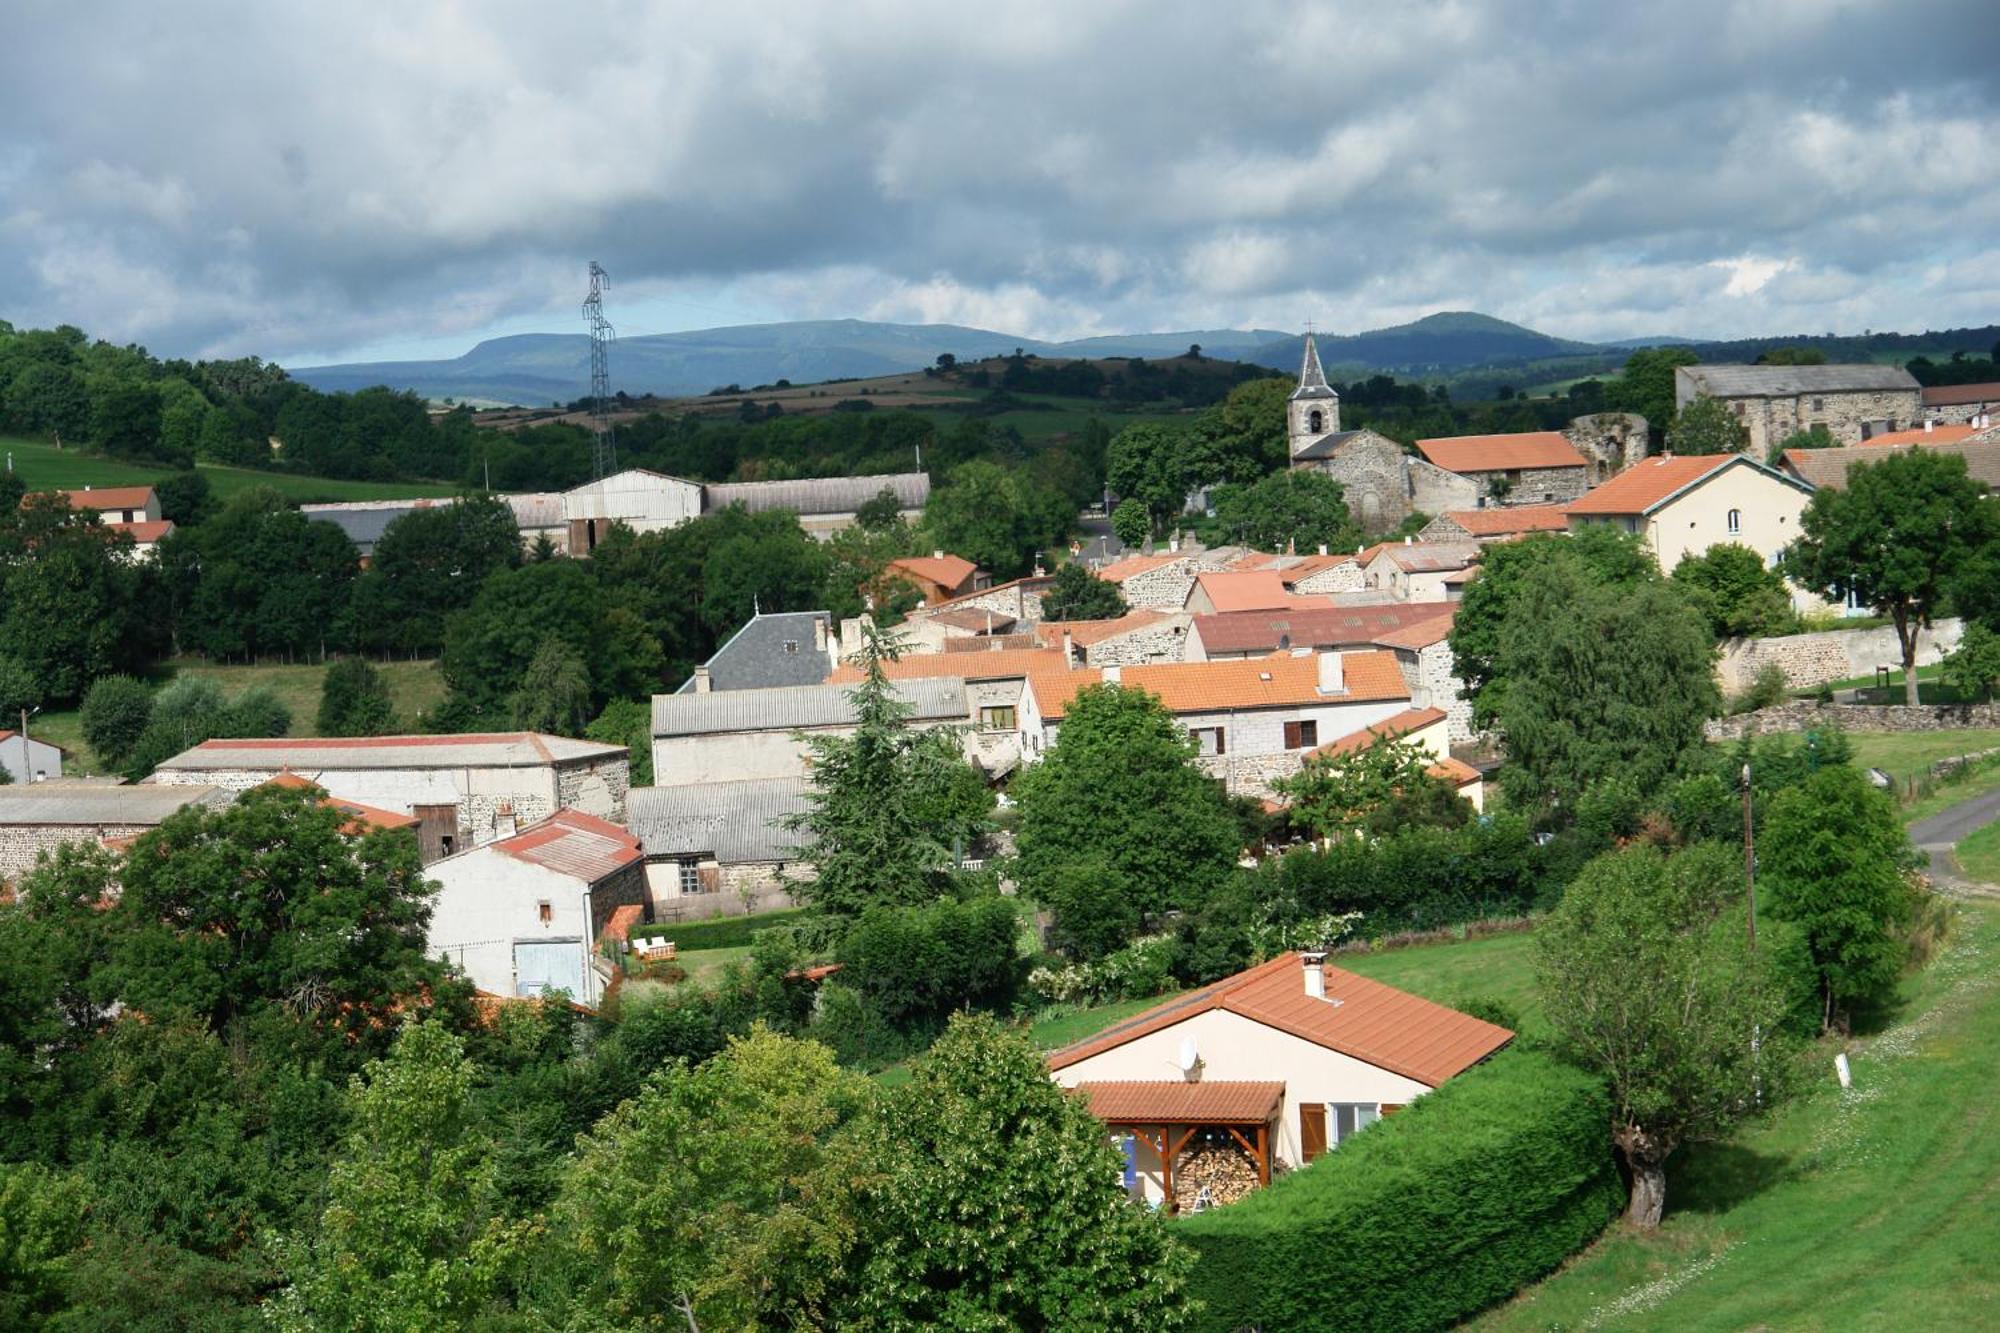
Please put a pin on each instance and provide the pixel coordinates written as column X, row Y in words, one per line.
column 1431, row 1215
column 723, row 932
column 1420, row 878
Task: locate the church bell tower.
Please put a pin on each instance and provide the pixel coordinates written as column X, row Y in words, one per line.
column 1313, row 413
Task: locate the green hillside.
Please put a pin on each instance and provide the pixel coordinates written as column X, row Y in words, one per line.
column 43, row 466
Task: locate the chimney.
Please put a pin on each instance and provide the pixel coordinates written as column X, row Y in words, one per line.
column 1332, row 678
column 701, row 685
column 1315, row 975
column 1174, row 542
column 1069, row 650
column 1113, row 675
column 937, row 554
column 819, row 635
column 1408, row 540
column 1929, row 426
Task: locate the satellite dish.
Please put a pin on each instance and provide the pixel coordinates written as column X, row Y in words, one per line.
column 1189, row 1056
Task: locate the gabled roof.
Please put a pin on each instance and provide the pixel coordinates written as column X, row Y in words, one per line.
column 573, row 843
column 144, row 532
column 1503, row 521
column 1027, row 583
column 8, row 734
column 1954, row 395
column 88, row 804
column 1389, row 728
column 508, row 749
column 1213, row 1101
column 362, row 817
column 1920, row 435
column 1245, row 590
column 798, row 707
column 1789, row 381
column 1372, row 1022
column 1322, row 627
column 973, row 619
column 1829, row 467
column 735, row 822
column 947, row 571
column 1425, row 557
column 1283, row 680
column 965, row 664
column 109, row 497
column 1083, row 633
column 1328, row 445
column 770, row 650
column 1653, row 482
column 1500, row 453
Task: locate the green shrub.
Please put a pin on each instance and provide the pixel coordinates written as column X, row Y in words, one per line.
column 1429, row 1216
column 1419, row 879
column 727, row 932
column 916, row 965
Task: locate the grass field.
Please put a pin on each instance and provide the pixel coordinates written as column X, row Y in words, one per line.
column 1495, row 967
column 414, row 686
column 1866, row 1209
column 1906, row 755
column 44, row 467
column 1979, row 855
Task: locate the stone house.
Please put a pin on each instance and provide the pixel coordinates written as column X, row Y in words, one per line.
column 993, row 682
column 527, row 914
column 1498, row 524
column 720, row 848
column 40, row 817
column 735, row 735
column 1534, row 467
column 1019, row 598
column 1290, row 1058
column 1961, row 404
column 465, row 791
column 1420, row 572
column 952, row 628
column 1133, row 639
column 1243, row 590
column 1852, row 401
column 769, row 650
column 1159, row 582
column 1829, row 467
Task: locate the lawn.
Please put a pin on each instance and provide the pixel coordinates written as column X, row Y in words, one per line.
column 414, row 686
column 705, row 966
column 1870, row 1208
column 1493, row 967
column 1909, row 755
column 43, row 466
column 1979, row 855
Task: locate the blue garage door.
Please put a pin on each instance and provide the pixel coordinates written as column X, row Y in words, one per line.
column 546, row 965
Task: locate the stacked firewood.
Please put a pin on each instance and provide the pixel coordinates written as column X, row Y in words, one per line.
column 1224, row 1170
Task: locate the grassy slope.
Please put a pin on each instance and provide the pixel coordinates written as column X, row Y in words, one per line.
column 415, row 687
column 1497, row 967
column 1871, row 1208
column 1979, row 855
column 1909, row 756
column 44, row 467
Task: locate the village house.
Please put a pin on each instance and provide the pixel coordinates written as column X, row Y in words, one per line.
column 26, row 759
column 465, row 791
column 993, row 682
column 1961, row 404
column 735, row 735
column 1932, row 433
column 43, row 816
column 1133, row 639
column 1243, row 590
column 1500, row 523
column 1773, row 402
column 955, row 628
column 1020, row 599
column 1420, row 572
column 1278, row 1064
column 719, row 848
column 1535, row 467
column 527, row 914
column 1684, row 505
column 361, row 819
column 117, row 505
column 1819, row 468
column 769, row 650
column 1160, row 581
column 938, row 577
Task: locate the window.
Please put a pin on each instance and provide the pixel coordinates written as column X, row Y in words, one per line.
column 691, row 876
column 792, row 646
column 446, row 844
column 998, row 717
column 1736, row 520
column 1738, row 408
column 544, row 913
column 1210, row 739
column 1819, row 404
column 1312, row 1131
column 1350, row 1118
column 1314, row 422
column 1301, row 735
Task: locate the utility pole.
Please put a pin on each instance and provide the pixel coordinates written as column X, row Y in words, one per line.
column 1749, row 858
column 603, row 451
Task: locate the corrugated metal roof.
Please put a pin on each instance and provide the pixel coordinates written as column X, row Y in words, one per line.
column 571, row 842
column 1210, row 1102
column 736, row 822
column 818, row 495
column 1785, row 381
column 513, row 749
column 796, row 707
column 92, row 803
column 1391, row 1029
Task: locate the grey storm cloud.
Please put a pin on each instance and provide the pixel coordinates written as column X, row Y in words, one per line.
column 228, row 179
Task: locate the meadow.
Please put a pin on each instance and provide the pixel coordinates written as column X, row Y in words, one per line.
column 44, row 466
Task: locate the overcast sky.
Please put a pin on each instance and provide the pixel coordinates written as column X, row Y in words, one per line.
column 332, row 181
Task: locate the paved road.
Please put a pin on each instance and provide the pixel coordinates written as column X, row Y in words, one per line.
column 1944, row 830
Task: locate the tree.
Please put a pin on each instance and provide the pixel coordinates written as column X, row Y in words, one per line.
column 1292, row 510
column 184, row 497
column 125, row 420
column 554, row 693
column 887, row 802
column 1829, row 858
column 1974, row 666
column 429, row 563
column 1647, row 979
column 1707, row 426
column 996, row 518
column 50, row 399
column 628, row 722
column 1791, row 356
column 354, row 701
column 1815, row 436
column 1246, row 433
column 1898, row 537
column 75, row 607
column 116, row 712
column 882, row 510
column 19, row 690
column 1646, row 386
column 1736, row 591
column 1602, row 683
column 990, row 1199
column 1078, row 594
column 411, row 1235
column 1337, row 794
column 261, row 578
column 1155, row 465
column 1117, row 823
column 1130, row 522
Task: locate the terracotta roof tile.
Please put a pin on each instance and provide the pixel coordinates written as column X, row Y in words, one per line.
column 574, row 843
column 977, row 619
column 363, row 817
column 990, row 643
column 1284, row 680
column 1457, row 772
column 1366, row 1019
column 109, row 497
column 947, row 571
column 1176, row 1102
column 1250, row 590
column 1935, row 435
column 1120, row 570
column 1501, row 453
column 1502, row 521
column 1083, row 633
column 145, row 531
column 1325, row 627
column 1389, row 728
column 1027, row 583
column 1829, row 467
column 1651, row 482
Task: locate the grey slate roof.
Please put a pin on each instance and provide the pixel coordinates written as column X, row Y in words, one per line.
column 1789, row 381
column 508, row 749
column 91, row 804
column 818, row 495
column 1325, row 446
column 756, row 656
column 734, row 821
column 1828, row 467
column 797, row 707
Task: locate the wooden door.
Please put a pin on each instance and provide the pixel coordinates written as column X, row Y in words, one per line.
column 1312, row 1130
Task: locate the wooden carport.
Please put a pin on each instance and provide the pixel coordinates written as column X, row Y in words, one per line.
column 1167, row 1115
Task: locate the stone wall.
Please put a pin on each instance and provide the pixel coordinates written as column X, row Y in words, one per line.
column 1373, row 470
column 743, row 890
column 1161, row 641
column 1844, row 414
column 1803, row 714
column 1163, row 588
column 596, row 787
column 22, row 844
column 1611, row 441
column 1536, row 485
column 1347, row 577
column 1431, row 674
column 1433, row 490
column 1841, row 654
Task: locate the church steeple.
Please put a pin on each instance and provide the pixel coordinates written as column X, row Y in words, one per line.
column 1313, row 411
column 1312, row 380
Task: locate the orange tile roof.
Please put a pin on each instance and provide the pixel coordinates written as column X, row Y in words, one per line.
column 1456, row 771
column 109, row 497
column 1026, row 583
column 989, row 643
column 1176, row 1102
column 1389, row 728
column 1500, row 521
column 966, row 664
column 1083, row 633
column 1248, row 590
column 1396, row 625
column 1284, row 680
column 145, row 531
column 363, row 817
column 1421, row 633
column 574, row 843
column 1501, row 453
column 1120, row 570
column 947, row 571
column 1935, row 435
column 1386, row 1027
column 1651, row 482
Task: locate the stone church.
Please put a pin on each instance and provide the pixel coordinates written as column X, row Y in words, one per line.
column 1386, row 483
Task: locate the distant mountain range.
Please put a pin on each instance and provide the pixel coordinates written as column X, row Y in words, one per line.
column 534, row 369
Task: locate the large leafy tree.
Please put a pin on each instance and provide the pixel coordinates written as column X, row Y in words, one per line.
column 1900, row 536
column 888, row 801
column 1078, row 594
column 1736, row 591
column 1117, row 822
column 998, row 518
column 1647, row 978
column 1602, row 683
column 1157, row 466
column 1338, row 794
column 428, row 564
column 354, row 700
column 991, row 1200
column 1291, row 510
column 1245, row 432
column 260, row 578
column 76, row 606
column 1830, row 857
column 554, row 693
column 1707, row 426
column 1646, row 385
